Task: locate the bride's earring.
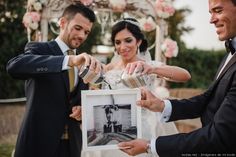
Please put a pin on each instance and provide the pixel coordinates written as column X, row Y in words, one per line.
column 138, row 51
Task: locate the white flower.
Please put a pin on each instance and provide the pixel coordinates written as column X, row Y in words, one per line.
column 147, row 24
column 15, row 16
column 31, row 19
column 37, row 6
column 169, row 48
column 33, row 25
column 8, row 14
column 118, row 5
column 2, row 20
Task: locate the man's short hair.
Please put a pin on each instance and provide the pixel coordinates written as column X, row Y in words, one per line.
column 73, row 9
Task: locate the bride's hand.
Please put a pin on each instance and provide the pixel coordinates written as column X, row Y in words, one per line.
column 138, row 67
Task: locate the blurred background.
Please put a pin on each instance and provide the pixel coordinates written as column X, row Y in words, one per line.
column 187, row 24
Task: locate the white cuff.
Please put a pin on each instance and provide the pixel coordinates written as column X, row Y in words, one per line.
column 153, row 146
column 65, row 63
column 165, row 115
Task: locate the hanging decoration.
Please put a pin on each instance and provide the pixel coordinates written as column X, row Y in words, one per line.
column 31, row 19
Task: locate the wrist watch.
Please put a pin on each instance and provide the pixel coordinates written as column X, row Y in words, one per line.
column 148, row 150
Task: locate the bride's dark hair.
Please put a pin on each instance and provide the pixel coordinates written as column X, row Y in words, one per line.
column 132, row 25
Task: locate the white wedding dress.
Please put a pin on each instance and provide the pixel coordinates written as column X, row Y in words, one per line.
column 151, row 125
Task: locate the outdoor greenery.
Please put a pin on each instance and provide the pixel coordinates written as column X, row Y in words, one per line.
column 177, row 27
column 6, row 150
column 201, row 64
column 12, row 41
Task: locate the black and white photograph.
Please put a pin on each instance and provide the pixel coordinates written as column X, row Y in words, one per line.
column 110, row 117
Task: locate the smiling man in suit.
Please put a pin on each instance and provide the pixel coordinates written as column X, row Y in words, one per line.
column 51, row 125
column 216, row 106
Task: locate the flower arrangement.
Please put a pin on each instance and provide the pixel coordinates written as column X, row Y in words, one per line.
column 32, row 16
column 164, row 8
column 169, row 48
column 31, row 20
column 147, row 24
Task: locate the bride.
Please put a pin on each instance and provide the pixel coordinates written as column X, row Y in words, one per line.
column 131, row 46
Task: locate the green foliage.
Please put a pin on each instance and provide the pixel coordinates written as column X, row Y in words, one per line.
column 6, row 150
column 177, row 28
column 201, row 64
column 13, row 38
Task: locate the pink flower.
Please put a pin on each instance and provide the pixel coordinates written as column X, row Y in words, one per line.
column 169, row 48
column 31, row 19
column 147, row 24
column 86, row 2
column 164, row 8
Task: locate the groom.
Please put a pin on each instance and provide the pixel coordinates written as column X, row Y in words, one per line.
column 216, row 106
column 51, row 125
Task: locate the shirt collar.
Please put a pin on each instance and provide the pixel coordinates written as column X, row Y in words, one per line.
column 234, row 42
column 62, row 45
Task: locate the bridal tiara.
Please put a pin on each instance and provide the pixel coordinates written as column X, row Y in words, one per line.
column 128, row 21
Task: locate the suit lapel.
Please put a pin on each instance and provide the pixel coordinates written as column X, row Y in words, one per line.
column 55, row 48
column 57, row 51
column 221, row 65
column 229, row 64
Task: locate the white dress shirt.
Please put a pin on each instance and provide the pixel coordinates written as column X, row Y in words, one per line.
column 228, row 57
column 64, row 48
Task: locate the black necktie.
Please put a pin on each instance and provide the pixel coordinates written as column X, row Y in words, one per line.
column 229, row 46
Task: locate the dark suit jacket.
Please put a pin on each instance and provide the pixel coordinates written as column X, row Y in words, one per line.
column 49, row 101
column 217, row 109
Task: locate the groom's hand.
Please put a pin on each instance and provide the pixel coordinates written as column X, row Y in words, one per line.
column 134, row 147
column 150, row 101
column 76, row 113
